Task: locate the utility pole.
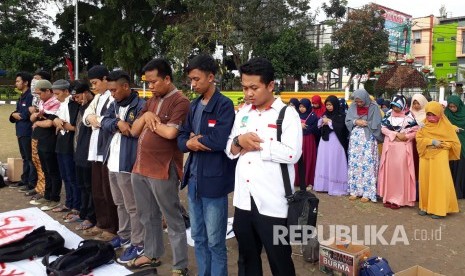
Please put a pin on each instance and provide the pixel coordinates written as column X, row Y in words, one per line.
column 76, row 43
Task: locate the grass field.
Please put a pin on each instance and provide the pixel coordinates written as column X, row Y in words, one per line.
column 8, row 142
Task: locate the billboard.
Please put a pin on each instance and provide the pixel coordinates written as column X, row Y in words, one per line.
column 397, row 24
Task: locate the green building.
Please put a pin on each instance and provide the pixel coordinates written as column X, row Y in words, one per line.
column 444, row 58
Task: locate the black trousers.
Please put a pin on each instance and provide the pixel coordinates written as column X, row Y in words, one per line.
column 105, row 208
column 49, row 163
column 253, row 232
column 29, row 175
column 84, row 181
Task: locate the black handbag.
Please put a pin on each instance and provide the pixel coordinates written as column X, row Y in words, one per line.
column 303, row 205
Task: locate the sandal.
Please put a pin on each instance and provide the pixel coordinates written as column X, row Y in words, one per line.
column 70, row 214
column 61, row 208
column 73, row 218
column 154, row 262
column 84, row 225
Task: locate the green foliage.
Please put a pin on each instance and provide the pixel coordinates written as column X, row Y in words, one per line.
column 235, row 24
column 361, row 42
column 442, row 81
column 290, row 52
column 24, row 38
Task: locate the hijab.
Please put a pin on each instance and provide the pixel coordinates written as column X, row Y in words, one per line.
column 398, row 121
column 343, row 105
column 308, row 105
column 443, row 131
column 373, row 116
column 295, row 103
column 321, row 110
column 457, row 118
column 420, row 115
column 337, row 117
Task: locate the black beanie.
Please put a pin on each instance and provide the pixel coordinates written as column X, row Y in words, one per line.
column 98, row 72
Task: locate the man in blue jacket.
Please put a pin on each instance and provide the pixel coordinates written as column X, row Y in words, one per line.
column 120, row 155
column 208, row 171
column 24, row 130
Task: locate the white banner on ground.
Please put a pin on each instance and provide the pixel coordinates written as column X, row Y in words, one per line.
column 34, row 217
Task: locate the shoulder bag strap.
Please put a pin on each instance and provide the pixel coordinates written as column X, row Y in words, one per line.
column 284, row 170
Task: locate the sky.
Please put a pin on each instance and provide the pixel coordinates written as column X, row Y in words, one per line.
column 415, row 8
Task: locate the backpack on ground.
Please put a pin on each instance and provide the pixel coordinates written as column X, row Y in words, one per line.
column 375, row 266
column 311, row 250
column 38, row 243
column 90, row 254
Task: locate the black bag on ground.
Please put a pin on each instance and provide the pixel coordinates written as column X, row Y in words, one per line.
column 2, row 182
column 311, row 250
column 303, row 205
column 146, row 272
column 38, row 243
column 90, row 254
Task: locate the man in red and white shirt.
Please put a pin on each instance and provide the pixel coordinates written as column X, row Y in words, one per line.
column 259, row 195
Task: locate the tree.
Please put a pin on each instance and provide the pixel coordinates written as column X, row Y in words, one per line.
column 235, row 24
column 290, row 53
column 89, row 54
column 24, row 37
column 361, row 43
column 336, row 10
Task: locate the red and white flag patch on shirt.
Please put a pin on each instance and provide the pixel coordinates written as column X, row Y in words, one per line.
column 272, row 126
column 211, row 123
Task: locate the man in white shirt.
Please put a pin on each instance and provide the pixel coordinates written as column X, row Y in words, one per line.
column 105, row 208
column 259, row 196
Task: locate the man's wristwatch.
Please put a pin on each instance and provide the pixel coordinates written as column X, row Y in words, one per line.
column 236, row 141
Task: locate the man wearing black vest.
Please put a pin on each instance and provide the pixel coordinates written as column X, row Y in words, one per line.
column 105, row 208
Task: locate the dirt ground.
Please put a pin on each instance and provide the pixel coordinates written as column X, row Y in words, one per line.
column 435, row 244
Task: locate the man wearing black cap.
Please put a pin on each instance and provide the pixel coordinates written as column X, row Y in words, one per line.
column 105, row 209
column 83, row 96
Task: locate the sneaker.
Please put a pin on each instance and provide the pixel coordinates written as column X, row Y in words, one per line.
column 131, row 253
column 105, row 236
column 180, row 272
column 118, row 242
column 17, row 185
column 94, row 231
column 50, row 205
column 39, row 201
column 37, row 196
column 23, row 189
column 30, row 192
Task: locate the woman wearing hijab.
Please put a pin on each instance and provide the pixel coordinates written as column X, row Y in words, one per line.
column 455, row 112
column 331, row 163
column 363, row 120
column 317, row 106
column 417, row 108
column 396, row 178
column 437, row 144
column 343, row 105
column 309, row 123
column 294, row 102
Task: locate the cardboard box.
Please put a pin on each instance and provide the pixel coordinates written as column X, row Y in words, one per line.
column 342, row 259
column 15, row 169
column 417, row 271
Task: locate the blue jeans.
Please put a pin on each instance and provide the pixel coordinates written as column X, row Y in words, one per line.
column 29, row 175
column 68, row 175
column 209, row 219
